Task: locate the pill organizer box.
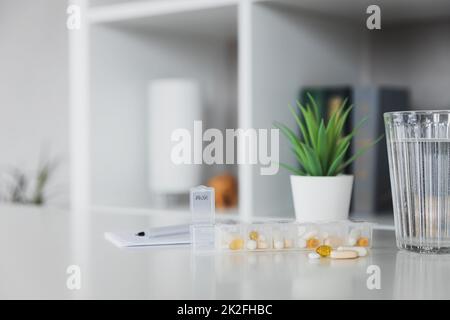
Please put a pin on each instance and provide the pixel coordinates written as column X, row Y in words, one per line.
column 207, row 235
column 279, row 236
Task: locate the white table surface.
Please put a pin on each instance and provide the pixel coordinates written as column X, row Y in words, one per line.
column 37, row 246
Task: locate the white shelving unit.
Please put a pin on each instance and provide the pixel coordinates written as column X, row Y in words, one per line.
column 119, row 49
column 253, row 56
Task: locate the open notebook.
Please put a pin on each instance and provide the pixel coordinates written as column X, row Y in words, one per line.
column 163, row 236
column 131, row 240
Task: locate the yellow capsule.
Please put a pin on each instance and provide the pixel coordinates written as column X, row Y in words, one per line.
column 362, row 242
column 236, row 244
column 312, row 243
column 324, row 250
column 254, row 235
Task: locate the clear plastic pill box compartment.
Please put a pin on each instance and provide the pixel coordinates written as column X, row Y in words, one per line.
column 209, row 236
column 291, row 235
column 274, row 236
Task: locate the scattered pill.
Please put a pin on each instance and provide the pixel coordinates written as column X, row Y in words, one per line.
column 323, row 250
column 362, row 252
column 254, row 235
column 350, row 254
column 301, row 243
column 362, row 242
column 288, row 243
column 251, row 244
column 313, row 255
column 237, row 244
column 312, row 243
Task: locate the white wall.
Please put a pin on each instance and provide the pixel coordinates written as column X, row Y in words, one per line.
column 123, row 62
column 294, row 49
column 33, row 87
column 417, row 56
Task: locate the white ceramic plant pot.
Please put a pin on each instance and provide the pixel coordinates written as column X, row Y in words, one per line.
column 321, row 198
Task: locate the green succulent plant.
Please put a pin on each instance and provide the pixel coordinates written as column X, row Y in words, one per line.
column 321, row 147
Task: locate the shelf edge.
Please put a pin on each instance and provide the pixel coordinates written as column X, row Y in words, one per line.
column 135, row 10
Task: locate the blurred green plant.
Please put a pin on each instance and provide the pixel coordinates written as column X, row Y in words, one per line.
column 23, row 189
column 321, row 147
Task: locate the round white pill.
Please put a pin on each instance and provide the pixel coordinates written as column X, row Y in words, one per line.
column 362, row 252
column 301, row 243
column 278, row 244
column 251, row 244
column 313, row 255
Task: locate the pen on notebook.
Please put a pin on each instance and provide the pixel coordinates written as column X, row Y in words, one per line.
column 165, row 231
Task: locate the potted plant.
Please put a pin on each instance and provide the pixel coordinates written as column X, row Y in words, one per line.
column 320, row 189
column 21, row 188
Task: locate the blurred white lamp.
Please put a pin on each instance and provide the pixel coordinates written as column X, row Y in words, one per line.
column 173, row 104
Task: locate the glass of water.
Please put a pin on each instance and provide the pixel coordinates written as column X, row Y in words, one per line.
column 418, row 144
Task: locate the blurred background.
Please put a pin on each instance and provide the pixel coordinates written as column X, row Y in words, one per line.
column 81, row 123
